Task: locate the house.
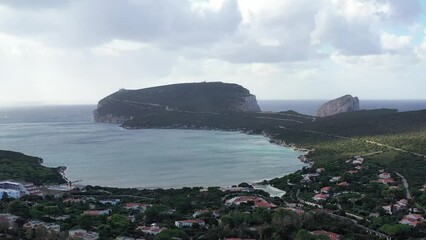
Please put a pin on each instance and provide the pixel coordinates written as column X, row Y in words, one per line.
column 74, row 200
column 353, row 171
column 325, row 189
column 83, row 234
column 335, row 179
column 388, row 209
column 189, row 223
column 153, row 229
column 358, row 160
column 399, row 205
column 384, row 180
column 24, row 188
column 320, row 170
column 359, row 167
column 320, row 197
column 137, row 206
column 200, row 212
column 113, row 202
column 384, row 175
column 258, row 201
column 343, row 184
column 8, row 220
column 423, row 189
column 412, row 219
column 97, row 212
column 51, row 227
column 330, row 235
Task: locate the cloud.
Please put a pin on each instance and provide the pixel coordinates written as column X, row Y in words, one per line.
column 276, row 48
column 396, row 43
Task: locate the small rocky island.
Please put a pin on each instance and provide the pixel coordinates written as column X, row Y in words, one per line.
column 346, row 103
column 204, row 97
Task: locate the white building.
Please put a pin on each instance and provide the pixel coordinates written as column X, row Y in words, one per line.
column 24, row 188
column 10, row 193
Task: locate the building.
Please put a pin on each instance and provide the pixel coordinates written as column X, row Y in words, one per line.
column 398, row 206
column 257, row 201
column 83, row 234
column 9, row 220
column 24, row 188
column 97, row 212
column 412, row 219
column 384, row 175
column 330, row 235
column 137, row 206
column 113, row 202
column 320, row 197
column 335, row 179
column 325, row 190
column 51, row 227
column 74, row 200
column 153, row 229
column 10, row 193
column 189, row 223
column 384, row 180
column 343, row 184
column 200, row 212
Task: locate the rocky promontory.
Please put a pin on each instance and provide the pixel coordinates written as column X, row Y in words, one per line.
column 204, row 97
column 346, row 103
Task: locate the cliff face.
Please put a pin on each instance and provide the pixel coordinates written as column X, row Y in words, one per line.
column 214, row 97
column 346, row 103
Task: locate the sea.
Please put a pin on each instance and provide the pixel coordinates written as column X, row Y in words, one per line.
column 107, row 155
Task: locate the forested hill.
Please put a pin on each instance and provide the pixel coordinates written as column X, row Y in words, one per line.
column 18, row 166
column 371, row 122
column 214, row 97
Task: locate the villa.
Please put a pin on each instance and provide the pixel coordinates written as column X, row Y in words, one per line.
column 384, row 175
column 258, row 201
column 412, row 219
column 8, row 220
column 113, row 202
column 343, row 184
column 335, row 179
column 320, row 197
column 189, row 223
column 137, row 206
column 153, row 229
column 97, row 212
column 325, row 189
column 83, row 234
column 330, row 235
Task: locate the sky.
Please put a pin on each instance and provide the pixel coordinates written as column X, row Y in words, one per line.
column 79, row 51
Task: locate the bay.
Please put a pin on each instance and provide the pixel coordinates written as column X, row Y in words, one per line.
column 107, row 155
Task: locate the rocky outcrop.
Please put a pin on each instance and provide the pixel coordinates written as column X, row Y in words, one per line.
column 213, row 97
column 346, row 103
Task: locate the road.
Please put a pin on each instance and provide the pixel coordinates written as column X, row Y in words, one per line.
column 406, row 186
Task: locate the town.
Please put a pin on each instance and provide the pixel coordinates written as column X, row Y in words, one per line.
column 354, row 200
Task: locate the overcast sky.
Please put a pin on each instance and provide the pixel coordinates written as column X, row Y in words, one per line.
column 78, row 51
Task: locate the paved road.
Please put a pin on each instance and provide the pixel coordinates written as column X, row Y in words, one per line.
column 406, row 186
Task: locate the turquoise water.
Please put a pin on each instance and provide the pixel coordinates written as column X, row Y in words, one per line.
column 106, row 155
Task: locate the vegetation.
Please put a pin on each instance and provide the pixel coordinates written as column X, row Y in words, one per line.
column 18, row 166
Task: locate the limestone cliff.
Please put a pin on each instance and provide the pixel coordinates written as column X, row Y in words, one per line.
column 346, row 103
column 212, row 97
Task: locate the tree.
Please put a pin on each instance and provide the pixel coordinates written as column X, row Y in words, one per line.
column 19, row 208
column 170, row 234
column 5, row 197
column 303, row 234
